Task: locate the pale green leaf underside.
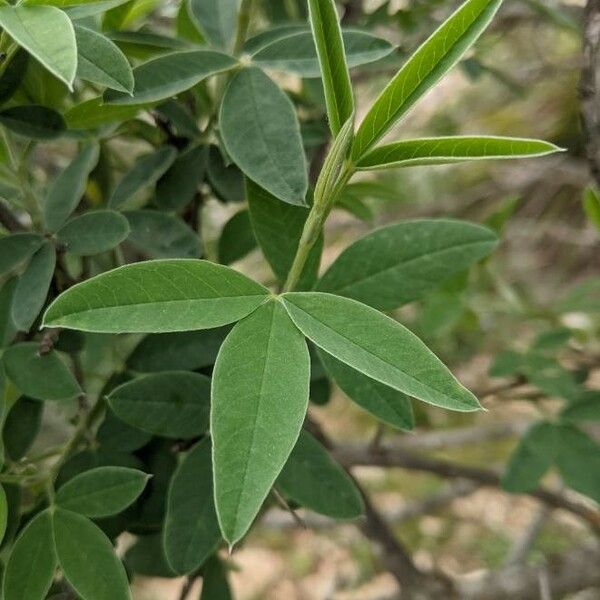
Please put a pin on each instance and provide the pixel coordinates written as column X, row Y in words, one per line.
column 378, row 347
column 101, row 61
column 157, row 297
column 262, row 135
column 296, row 52
column 215, row 19
column 446, row 150
column 47, row 34
column 403, row 262
column 328, row 39
column 259, row 400
column 169, row 75
column 424, row 69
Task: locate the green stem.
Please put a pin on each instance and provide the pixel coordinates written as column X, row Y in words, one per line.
column 312, row 230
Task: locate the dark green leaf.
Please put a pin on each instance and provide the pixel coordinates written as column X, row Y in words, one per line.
column 179, row 185
column 8, row 329
column 17, row 248
column 424, row 69
column 116, row 435
column 3, row 513
column 296, row 52
column 157, row 297
column 76, row 540
column 329, row 43
column 160, row 235
column 67, row 189
column 585, row 408
column 146, row 171
column 226, row 181
column 191, row 531
column 383, row 402
column 21, row 427
column 94, row 232
column 41, row 377
column 214, row 581
column 262, row 135
column 312, row 479
column 147, row 557
column 33, row 121
column 257, row 415
column 94, row 113
column 401, row 263
column 13, row 75
column 278, row 227
column 32, row 562
column 32, row 288
column 102, row 492
column 166, row 76
column 378, row 347
column 169, row 404
column 101, row 61
column 216, row 20
column 186, row 351
column 237, row 239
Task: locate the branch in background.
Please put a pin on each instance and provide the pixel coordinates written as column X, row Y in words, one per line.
column 386, row 457
column 576, row 570
column 526, row 541
column 589, row 87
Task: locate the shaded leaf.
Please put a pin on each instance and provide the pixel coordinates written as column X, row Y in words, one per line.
column 33, row 121
column 216, row 20
column 191, row 532
column 13, row 75
column 16, row 249
column 226, row 181
column 585, row 408
column 21, row 427
column 214, row 581
column 170, row 404
column 94, row 113
column 237, row 238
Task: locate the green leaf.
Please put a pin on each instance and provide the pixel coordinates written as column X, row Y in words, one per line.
column 314, row 480
column 585, row 408
column 94, row 113
column 32, row 289
column 80, row 9
column 41, row 377
column 256, row 416
column 262, row 135
column 33, row 121
column 160, row 235
column 403, row 262
column 383, row 402
column 102, row 492
column 226, row 180
column 116, row 435
column 578, row 461
column 94, row 232
column 32, row 561
column 191, row 531
column 185, row 351
column 16, row 249
column 278, row 227
column 8, row 329
column 214, row 581
column 179, row 185
column 144, row 45
column 77, row 539
column 46, row 33
column 591, row 205
column 146, row 171
column 424, row 69
column 295, row 51
column 21, row 427
column 378, row 347
column 166, row 76
column 216, row 20
column 532, row 458
column 101, row 61
column 170, row 404
column 447, row 150
column 67, row 189
column 327, row 34
column 157, row 297
column 147, row 557
column 3, row 513
column 13, row 75
column 237, row 239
